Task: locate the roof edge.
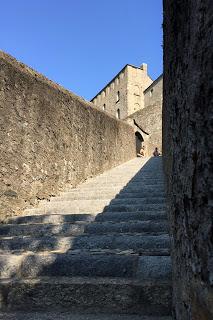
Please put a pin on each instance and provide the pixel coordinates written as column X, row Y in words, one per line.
column 127, row 65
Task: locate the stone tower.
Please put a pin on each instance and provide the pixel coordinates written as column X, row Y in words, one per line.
column 124, row 94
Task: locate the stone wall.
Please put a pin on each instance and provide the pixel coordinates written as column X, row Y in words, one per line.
column 187, row 145
column 153, row 95
column 130, row 82
column 108, row 96
column 149, row 120
column 138, row 81
column 50, row 138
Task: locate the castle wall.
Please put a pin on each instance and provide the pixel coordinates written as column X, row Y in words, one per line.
column 109, row 98
column 150, row 120
column 51, row 138
column 138, row 81
column 130, row 83
column 153, row 95
column 188, row 145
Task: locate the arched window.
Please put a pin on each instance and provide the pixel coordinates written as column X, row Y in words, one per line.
column 104, row 107
column 118, row 114
column 118, row 96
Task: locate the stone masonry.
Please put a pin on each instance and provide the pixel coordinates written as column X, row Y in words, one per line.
column 187, row 146
column 132, row 96
column 124, row 92
column 49, row 138
column 99, row 251
column 149, row 119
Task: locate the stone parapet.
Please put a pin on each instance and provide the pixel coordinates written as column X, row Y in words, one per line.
column 51, row 138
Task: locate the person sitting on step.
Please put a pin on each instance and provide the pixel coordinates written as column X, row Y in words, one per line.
column 156, row 153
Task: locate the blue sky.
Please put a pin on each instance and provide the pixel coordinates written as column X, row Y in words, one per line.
column 82, row 44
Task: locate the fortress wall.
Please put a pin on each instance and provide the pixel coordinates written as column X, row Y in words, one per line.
column 108, row 96
column 187, row 146
column 154, row 94
column 138, row 81
column 51, row 138
column 150, row 120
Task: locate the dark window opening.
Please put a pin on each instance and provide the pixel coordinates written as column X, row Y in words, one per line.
column 138, row 141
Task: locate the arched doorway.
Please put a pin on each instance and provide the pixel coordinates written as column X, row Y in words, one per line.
column 138, row 141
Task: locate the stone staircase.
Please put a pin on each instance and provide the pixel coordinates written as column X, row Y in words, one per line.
column 100, row 251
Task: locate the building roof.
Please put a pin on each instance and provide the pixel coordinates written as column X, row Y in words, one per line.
column 130, row 65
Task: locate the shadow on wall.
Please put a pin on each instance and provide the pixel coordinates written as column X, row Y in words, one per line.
column 88, row 241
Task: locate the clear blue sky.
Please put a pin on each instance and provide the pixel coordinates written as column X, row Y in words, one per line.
column 82, row 44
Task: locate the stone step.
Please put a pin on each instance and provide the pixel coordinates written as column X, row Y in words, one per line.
column 87, row 294
column 67, row 207
column 70, row 229
column 73, row 218
column 118, row 188
column 134, row 208
column 72, row 195
column 126, row 181
column 28, row 265
column 18, row 315
column 136, row 242
column 132, row 185
column 117, row 200
column 130, row 216
column 50, row 218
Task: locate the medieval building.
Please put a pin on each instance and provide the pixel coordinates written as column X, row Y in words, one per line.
column 134, row 97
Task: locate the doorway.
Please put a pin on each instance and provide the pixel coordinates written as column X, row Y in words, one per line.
column 138, row 141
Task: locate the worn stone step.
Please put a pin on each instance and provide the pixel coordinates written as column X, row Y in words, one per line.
column 69, row 229
column 116, row 200
column 85, row 264
column 108, row 241
column 108, row 195
column 72, row 218
column 67, row 207
column 127, row 227
column 56, row 315
column 124, row 182
column 130, row 216
column 89, row 294
column 129, row 188
column 134, row 207
column 62, row 229
column 50, row 218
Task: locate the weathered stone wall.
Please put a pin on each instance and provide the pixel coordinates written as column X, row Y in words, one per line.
column 187, row 145
column 138, row 80
column 153, row 95
column 150, row 120
column 131, row 83
column 108, row 96
column 50, row 137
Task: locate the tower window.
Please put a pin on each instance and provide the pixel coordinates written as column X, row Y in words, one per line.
column 151, row 92
column 104, row 107
column 118, row 114
column 118, row 96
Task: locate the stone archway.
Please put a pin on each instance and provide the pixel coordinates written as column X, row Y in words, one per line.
column 138, row 141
